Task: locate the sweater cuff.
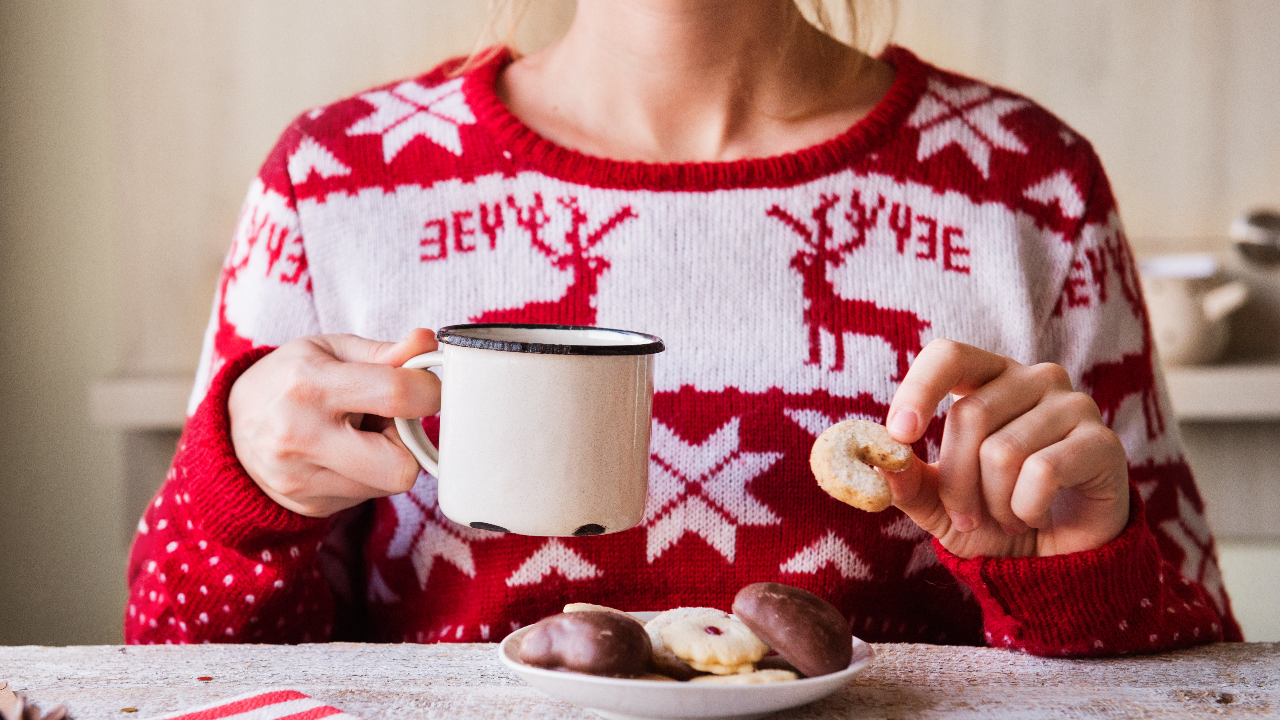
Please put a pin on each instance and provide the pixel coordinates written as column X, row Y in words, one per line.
column 1058, row 604
column 229, row 505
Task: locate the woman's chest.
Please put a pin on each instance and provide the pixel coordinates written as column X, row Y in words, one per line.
column 798, row 288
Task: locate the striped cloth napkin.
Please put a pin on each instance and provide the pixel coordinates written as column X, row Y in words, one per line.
column 270, row 705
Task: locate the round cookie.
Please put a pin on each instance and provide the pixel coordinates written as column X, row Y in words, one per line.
column 807, row 631
column 591, row 641
column 665, row 661
column 719, row 645
column 581, row 607
column 842, row 460
column 752, row 678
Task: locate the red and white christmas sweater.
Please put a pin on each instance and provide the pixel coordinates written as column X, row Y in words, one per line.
column 792, row 292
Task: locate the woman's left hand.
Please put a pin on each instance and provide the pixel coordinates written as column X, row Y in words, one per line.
column 1027, row 467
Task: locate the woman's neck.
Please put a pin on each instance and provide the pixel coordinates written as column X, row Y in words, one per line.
column 692, row 80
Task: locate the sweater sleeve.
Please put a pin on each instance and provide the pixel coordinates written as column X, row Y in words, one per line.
column 264, row 296
column 215, row 559
column 1121, row 598
column 1157, row 586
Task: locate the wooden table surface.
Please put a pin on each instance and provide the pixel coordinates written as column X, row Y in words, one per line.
column 466, row 681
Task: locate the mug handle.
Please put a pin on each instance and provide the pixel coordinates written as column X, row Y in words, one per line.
column 410, row 429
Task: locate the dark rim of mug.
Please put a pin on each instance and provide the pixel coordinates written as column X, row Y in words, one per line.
column 453, row 335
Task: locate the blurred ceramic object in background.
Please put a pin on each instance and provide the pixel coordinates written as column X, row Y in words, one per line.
column 1189, row 304
column 1257, row 236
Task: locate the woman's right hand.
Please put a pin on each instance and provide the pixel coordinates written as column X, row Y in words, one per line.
column 311, row 421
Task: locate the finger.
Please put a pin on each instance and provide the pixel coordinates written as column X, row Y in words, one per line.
column 371, row 388
column 1002, row 453
column 372, row 460
column 325, row 493
column 1091, row 505
column 915, row 493
column 417, row 342
column 1090, row 459
column 975, row 417
column 942, row 367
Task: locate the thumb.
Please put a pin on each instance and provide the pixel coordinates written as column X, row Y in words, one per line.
column 915, row 493
column 353, row 348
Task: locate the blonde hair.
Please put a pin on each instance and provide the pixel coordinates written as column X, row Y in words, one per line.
column 862, row 24
column 497, row 34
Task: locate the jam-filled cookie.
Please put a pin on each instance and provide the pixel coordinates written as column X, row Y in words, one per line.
column 665, row 661
column 719, row 645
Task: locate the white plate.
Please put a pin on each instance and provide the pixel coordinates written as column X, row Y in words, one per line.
column 624, row 699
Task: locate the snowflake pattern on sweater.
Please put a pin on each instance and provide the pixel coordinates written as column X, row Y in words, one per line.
column 792, row 292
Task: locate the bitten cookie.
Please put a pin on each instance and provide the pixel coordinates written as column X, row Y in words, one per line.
column 591, row 641
column 842, row 460
column 665, row 661
column 807, row 631
column 719, row 645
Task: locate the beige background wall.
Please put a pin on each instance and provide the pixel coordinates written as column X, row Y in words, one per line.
column 129, row 130
column 60, row 558
column 1179, row 97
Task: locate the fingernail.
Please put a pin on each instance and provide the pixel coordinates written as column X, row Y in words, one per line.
column 962, row 522
column 903, row 423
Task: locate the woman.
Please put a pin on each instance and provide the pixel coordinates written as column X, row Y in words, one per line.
column 815, row 233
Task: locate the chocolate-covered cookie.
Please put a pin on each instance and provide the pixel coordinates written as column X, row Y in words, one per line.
column 807, row 631
column 592, row 641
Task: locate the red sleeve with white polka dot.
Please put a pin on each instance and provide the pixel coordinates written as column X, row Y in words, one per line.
column 1122, row 598
column 214, row 559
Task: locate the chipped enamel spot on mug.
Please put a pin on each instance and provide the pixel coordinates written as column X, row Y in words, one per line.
column 489, row 526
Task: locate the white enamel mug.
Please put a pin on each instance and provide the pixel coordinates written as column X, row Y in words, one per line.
column 544, row 429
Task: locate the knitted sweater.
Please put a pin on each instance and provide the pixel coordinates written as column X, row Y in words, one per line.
column 792, row 292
